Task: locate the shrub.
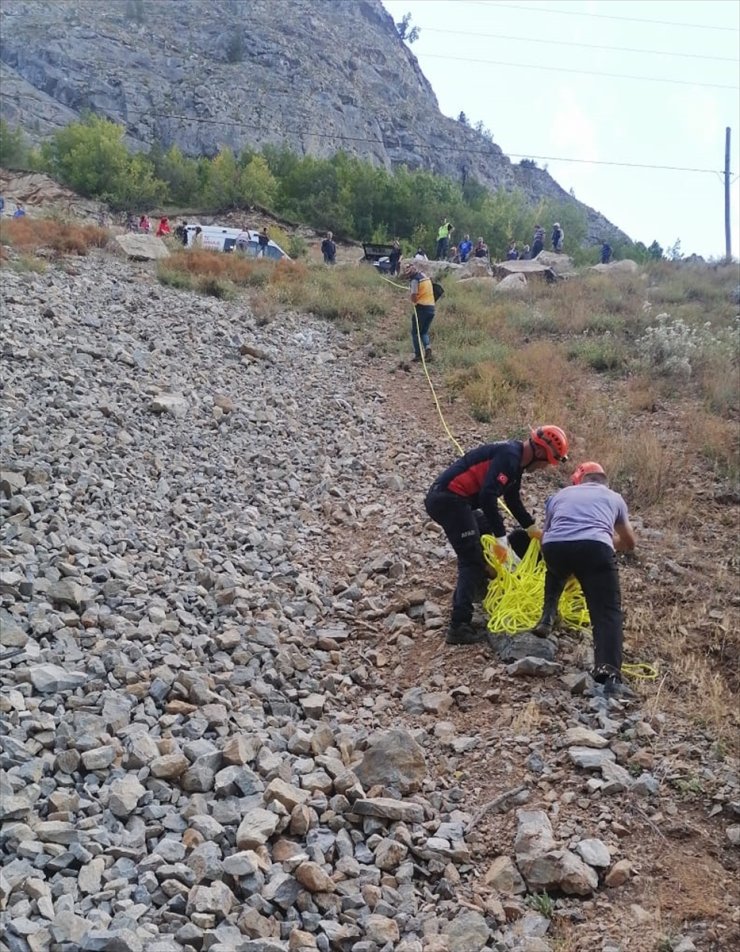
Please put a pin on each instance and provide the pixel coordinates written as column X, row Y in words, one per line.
column 600, row 353
column 214, row 287
column 173, row 278
column 674, row 349
column 29, row 234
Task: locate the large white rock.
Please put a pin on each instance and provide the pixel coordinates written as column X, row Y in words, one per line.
column 143, row 247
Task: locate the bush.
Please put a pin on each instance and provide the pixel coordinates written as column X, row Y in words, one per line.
column 674, row 349
column 29, row 234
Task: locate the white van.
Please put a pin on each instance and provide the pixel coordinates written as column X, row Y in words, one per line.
column 216, row 238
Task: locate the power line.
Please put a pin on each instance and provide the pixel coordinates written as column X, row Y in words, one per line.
column 606, row 16
column 434, row 147
column 580, row 72
column 588, row 46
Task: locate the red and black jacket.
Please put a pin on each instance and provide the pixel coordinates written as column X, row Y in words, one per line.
column 484, row 475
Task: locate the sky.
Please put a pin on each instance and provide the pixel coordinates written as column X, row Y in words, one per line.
column 543, row 76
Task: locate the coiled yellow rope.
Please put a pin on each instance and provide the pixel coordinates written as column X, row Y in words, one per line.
column 514, row 599
column 515, row 596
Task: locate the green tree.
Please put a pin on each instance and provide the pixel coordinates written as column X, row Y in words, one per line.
column 257, row 184
column 14, row 151
column 179, row 172
column 221, row 188
column 655, row 251
column 92, row 158
column 407, row 32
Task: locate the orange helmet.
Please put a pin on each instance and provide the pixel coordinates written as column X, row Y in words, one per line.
column 553, row 441
column 584, row 469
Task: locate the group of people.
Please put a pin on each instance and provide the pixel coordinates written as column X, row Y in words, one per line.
column 584, row 525
column 557, row 240
column 465, row 250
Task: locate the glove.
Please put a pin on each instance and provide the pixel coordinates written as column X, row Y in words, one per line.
column 501, row 549
column 534, row 533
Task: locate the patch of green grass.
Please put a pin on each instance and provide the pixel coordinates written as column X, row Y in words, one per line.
column 533, row 322
column 542, row 903
column 28, row 263
column 604, row 353
column 181, row 280
column 215, row 287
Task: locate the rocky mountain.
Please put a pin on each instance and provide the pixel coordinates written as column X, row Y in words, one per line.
column 315, row 75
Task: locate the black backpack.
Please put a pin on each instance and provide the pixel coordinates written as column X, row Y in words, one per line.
column 437, row 290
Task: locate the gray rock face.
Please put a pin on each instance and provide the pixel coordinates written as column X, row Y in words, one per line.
column 312, row 64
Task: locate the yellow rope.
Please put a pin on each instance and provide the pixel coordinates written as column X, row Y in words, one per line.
column 515, row 595
column 514, row 598
column 447, row 430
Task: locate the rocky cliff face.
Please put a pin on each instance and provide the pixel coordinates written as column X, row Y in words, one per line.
column 315, row 75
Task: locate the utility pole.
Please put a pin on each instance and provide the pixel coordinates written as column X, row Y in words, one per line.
column 728, row 237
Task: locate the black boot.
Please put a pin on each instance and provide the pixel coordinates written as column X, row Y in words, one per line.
column 463, row 633
column 545, row 625
column 553, row 590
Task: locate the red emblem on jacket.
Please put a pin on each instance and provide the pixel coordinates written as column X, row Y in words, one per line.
column 502, row 478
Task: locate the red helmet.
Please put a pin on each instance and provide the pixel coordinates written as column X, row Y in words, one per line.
column 584, row 469
column 553, row 441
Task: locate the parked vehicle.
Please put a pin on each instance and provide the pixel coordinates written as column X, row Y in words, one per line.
column 217, row 238
column 377, row 255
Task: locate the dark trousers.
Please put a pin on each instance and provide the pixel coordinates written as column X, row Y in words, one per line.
column 536, row 248
column 594, row 564
column 424, row 315
column 459, row 522
column 442, row 246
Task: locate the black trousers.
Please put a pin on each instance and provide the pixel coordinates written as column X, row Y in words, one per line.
column 594, row 564
column 458, row 519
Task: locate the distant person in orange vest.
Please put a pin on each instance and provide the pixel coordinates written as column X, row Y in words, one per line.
column 163, row 228
column 422, row 297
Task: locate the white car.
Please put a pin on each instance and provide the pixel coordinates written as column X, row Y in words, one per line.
column 216, row 238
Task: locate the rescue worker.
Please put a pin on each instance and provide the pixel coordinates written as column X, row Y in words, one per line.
column 443, row 239
column 422, row 297
column 474, row 482
column 584, row 524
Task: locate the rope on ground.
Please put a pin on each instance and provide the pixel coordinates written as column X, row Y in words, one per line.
column 447, row 430
column 515, row 595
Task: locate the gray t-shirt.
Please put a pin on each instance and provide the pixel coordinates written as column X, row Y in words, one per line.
column 587, row 512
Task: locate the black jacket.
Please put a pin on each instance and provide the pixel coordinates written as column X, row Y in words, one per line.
column 484, row 475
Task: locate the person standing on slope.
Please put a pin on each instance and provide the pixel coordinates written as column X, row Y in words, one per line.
column 422, row 297
column 475, row 482
column 584, row 524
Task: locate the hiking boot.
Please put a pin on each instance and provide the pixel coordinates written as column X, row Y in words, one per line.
column 464, row 633
column 615, row 687
column 544, row 627
column 416, row 360
column 427, row 353
column 611, row 683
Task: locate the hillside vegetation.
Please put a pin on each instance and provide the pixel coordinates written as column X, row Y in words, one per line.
column 344, row 194
column 221, row 588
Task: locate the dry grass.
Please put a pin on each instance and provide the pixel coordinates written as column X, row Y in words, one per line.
column 64, row 238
